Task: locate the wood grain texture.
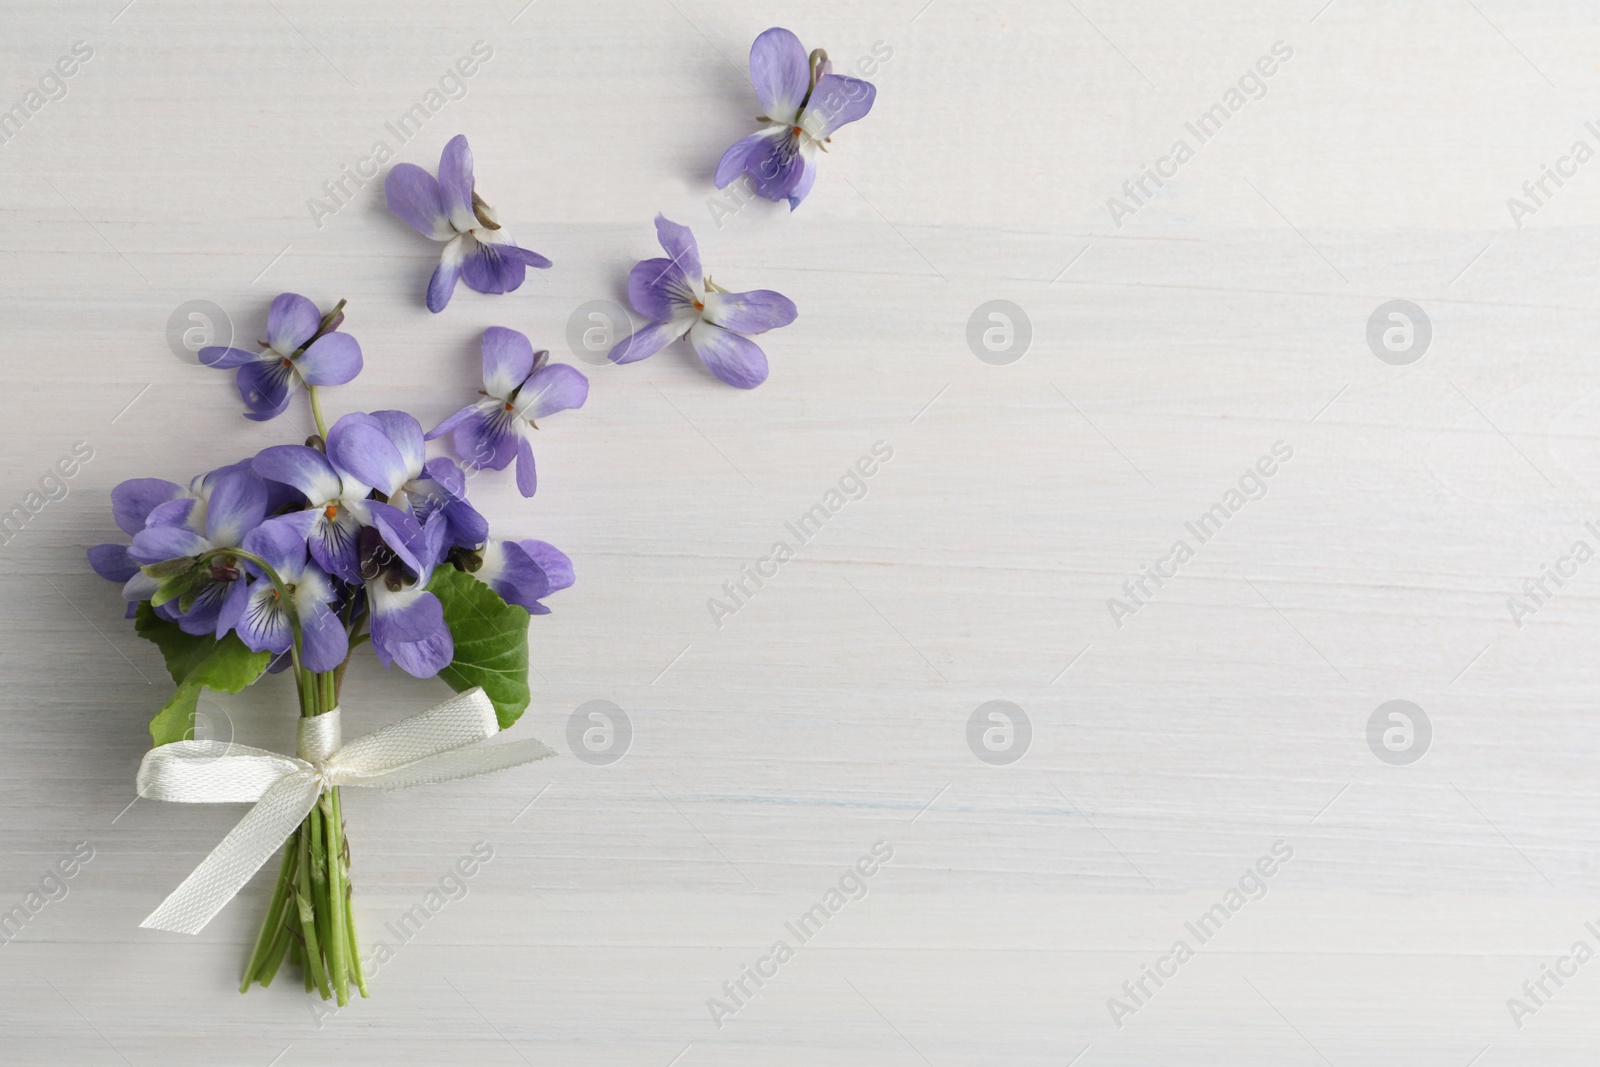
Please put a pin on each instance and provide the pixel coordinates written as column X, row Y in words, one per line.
column 1224, row 315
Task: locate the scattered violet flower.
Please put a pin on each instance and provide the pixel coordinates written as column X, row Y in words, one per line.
column 802, row 104
column 303, row 346
column 519, row 386
column 449, row 209
column 261, row 619
column 672, row 294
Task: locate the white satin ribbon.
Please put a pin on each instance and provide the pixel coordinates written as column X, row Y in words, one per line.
column 422, row 749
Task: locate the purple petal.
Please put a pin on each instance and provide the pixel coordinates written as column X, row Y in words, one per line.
column 557, row 567
column 359, row 447
column 238, row 504
column 324, row 643
column 679, row 244
column 514, row 575
column 281, row 542
column 173, row 513
column 486, row 439
column 443, row 283
column 233, row 609
column 836, row 101
column 465, row 526
column 226, row 358
column 735, row 161
column 647, row 342
column 808, row 178
column 332, row 359
column 488, row 269
column 435, row 536
column 304, row 468
column 658, row 289
column 265, row 387
column 443, row 491
column 133, row 500
column 550, row 389
column 334, row 541
column 507, row 361
column 528, row 257
column 156, row 544
column 202, row 617
column 753, row 312
column 113, row 563
column 527, row 478
column 408, row 628
column 781, row 73
column 141, row 587
column 403, row 535
column 735, row 359
column 413, row 194
column 453, row 420
column 291, row 322
column 406, row 432
column 777, row 167
column 447, row 473
column 262, row 622
column 455, row 183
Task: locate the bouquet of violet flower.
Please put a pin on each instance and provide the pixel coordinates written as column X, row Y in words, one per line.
column 295, row 558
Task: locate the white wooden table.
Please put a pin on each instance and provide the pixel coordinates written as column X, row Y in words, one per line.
column 1174, row 340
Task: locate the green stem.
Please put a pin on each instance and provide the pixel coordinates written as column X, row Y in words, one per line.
column 280, row 948
column 338, row 940
column 316, row 412
column 330, row 940
column 275, row 919
column 308, row 918
column 297, row 949
column 347, row 905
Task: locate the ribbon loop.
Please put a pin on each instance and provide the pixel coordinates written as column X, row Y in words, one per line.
column 421, row 749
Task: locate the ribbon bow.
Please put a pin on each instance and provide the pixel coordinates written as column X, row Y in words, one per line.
column 418, row 750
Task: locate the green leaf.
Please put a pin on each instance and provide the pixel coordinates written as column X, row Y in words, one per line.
column 181, row 651
column 491, row 642
column 195, row 663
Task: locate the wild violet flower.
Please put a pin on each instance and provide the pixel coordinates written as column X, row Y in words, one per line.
column 132, row 502
column 237, row 505
column 802, row 104
column 408, row 624
column 303, row 346
column 337, row 505
column 520, row 572
column 261, row 618
column 671, row 293
column 519, row 386
column 449, row 209
column 385, row 451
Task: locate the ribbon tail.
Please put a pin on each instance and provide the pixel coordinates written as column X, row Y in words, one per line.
column 457, row 763
column 221, row 875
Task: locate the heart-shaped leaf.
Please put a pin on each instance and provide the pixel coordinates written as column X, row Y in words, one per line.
column 195, row 663
column 491, row 642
